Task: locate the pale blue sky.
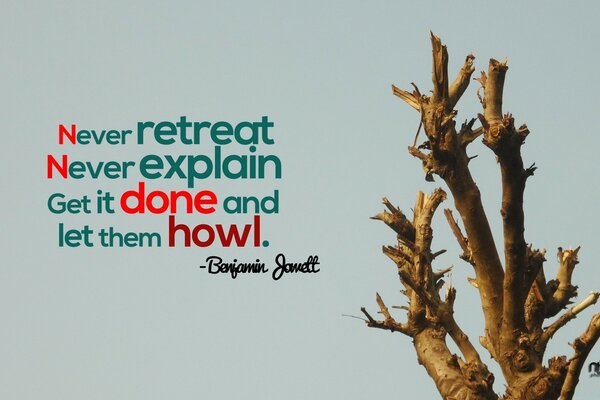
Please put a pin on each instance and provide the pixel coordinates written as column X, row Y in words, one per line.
column 147, row 323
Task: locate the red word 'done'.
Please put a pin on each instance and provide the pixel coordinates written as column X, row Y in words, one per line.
column 158, row 202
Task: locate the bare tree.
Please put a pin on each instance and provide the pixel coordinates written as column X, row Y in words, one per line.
column 516, row 297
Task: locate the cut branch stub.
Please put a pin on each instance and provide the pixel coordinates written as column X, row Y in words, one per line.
column 494, row 86
column 461, row 82
column 565, row 291
column 440, row 70
column 397, row 221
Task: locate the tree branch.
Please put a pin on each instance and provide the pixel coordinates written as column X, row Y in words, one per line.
column 426, row 288
column 462, row 240
column 389, row 323
column 397, row 221
column 571, row 314
column 582, row 345
column 494, row 86
column 461, row 82
column 440, row 70
column 535, row 305
column 535, row 264
column 467, row 134
column 565, row 291
column 501, row 136
column 412, row 99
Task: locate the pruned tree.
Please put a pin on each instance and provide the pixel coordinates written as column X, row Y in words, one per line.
column 516, row 297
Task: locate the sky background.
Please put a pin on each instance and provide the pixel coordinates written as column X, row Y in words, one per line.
column 148, row 324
